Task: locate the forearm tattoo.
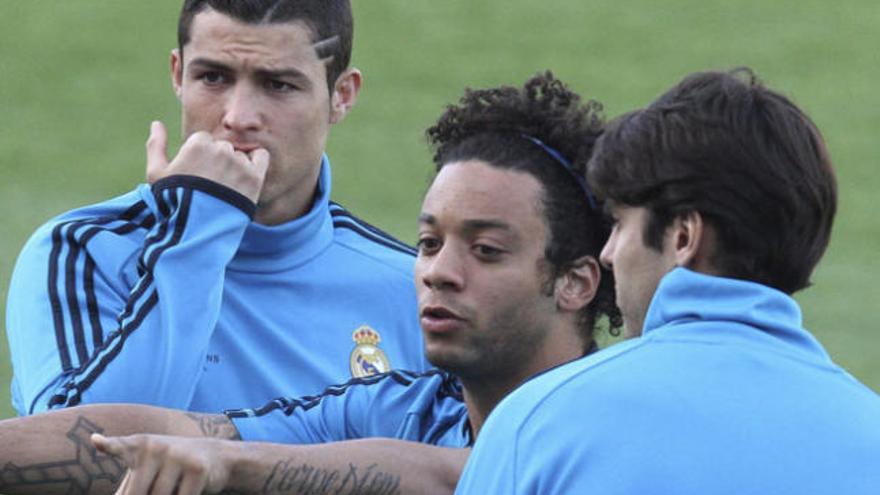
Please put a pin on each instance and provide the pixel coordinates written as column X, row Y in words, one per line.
column 288, row 477
column 215, row 426
column 75, row 476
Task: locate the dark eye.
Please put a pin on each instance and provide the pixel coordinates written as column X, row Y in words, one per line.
column 428, row 245
column 213, row 78
column 487, row 252
column 279, row 86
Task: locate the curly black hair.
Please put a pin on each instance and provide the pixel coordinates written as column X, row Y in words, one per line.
column 499, row 126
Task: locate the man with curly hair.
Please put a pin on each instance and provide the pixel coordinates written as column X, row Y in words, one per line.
column 722, row 195
column 509, row 286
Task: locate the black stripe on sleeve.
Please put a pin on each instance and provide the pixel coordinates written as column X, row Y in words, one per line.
column 117, row 340
column 162, row 204
column 55, row 299
column 160, row 234
column 139, row 290
column 73, row 252
column 289, row 405
column 129, row 226
column 92, row 302
column 53, row 273
column 177, row 234
column 106, row 359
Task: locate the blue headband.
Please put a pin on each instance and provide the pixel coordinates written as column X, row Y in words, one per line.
column 579, row 178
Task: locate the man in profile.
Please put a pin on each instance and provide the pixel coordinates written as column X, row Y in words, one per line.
column 722, row 196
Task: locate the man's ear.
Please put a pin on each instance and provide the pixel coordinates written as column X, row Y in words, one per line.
column 691, row 241
column 177, row 72
column 577, row 287
column 345, row 92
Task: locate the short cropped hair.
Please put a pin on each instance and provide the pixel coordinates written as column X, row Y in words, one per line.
column 744, row 157
column 497, row 126
column 327, row 19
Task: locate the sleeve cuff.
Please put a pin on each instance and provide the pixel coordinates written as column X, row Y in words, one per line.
column 210, row 187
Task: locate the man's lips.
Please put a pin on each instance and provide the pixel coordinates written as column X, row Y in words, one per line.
column 246, row 148
column 440, row 319
column 245, row 144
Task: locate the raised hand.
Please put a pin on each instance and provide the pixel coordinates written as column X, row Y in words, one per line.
column 203, row 156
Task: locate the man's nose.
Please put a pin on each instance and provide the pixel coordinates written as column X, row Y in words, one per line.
column 443, row 270
column 242, row 111
column 607, row 254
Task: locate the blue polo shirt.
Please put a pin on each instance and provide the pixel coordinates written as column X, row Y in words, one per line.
column 725, row 393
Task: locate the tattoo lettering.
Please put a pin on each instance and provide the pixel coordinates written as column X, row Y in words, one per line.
column 302, row 479
column 371, row 481
column 215, row 426
column 299, row 479
column 79, row 473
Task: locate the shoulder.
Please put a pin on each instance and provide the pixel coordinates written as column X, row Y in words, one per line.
column 543, row 423
column 121, row 215
column 369, row 243
column 599, row 373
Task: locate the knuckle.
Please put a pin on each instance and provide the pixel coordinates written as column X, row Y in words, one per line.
column 194, row 467
column 153, row 446
column 198, row 140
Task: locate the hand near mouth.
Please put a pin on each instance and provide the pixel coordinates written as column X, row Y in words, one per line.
column 242, row 170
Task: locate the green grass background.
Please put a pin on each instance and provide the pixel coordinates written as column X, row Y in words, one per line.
column 80, row 81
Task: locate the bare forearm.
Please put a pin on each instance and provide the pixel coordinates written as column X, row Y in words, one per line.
column 52, row 453
column 369, row 466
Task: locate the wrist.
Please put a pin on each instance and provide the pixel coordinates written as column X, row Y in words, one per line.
column 242, row 466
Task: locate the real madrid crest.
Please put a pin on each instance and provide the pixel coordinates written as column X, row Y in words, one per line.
column 366, row 357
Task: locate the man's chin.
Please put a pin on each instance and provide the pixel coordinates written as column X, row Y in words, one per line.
column 446, row 359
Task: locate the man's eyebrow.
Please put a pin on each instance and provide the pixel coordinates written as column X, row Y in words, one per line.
column 480, row 224
column 472, row 226
column 282, row 73
column 206, row 63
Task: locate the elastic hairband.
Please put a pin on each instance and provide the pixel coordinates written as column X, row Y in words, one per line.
column 567, row 165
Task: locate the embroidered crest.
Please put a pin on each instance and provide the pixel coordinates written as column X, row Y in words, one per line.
column 366, row 358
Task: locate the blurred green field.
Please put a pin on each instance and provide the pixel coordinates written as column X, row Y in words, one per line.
column 80, row 81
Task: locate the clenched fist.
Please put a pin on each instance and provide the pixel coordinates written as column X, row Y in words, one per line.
column 203, row 156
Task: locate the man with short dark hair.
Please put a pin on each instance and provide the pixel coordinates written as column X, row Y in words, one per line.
column 233, row 278
column 722, row 196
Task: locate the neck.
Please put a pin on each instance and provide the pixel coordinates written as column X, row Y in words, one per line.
column 482, row 394
column 280, row 203
column 481, row 397
column 281, row 211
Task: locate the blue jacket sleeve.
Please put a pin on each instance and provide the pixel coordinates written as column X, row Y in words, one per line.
column 118, row 305
column 399, row 404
